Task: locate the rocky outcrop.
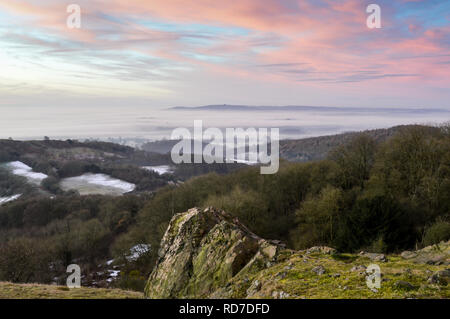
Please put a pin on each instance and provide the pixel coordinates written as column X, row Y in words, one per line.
column 210, row 254
column 432, row 255
column 202, row 250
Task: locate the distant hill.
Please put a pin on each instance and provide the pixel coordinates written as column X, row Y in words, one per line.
column 71, row 150
column 301, row 150
column 227, row 107
column 163, row 146
column 317, row 148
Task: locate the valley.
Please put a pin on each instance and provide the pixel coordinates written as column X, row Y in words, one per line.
column 110, row 209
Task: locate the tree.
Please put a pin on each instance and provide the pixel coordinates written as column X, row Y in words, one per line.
column 414, row 164
column 355, row 160
column 24, row 260
column 317, row 219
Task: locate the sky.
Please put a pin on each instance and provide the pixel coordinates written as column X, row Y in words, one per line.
column 160, row 53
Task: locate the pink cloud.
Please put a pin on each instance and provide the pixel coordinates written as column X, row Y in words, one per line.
column 331, row 41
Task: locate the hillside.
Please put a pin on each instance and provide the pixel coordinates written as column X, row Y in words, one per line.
column 209, row 254
column 317, row 148
column 61, row 167
column 306, row 149
column 381, row 198
column 34, row 152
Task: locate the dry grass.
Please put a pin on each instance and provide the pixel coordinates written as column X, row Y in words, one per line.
column 36, row 291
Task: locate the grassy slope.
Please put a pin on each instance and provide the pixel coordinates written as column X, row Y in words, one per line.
column 301, row 282
column 294, row 276
column 36, row 291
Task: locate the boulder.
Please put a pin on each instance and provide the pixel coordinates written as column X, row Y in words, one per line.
column 401, row 284
column 201, row 251
column 408, row 254
column 374, row 256
column 441, row 277
column 358, row 268
column 321, row 249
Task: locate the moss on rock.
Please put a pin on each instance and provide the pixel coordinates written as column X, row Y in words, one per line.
column 209, row 254
column 201, row 251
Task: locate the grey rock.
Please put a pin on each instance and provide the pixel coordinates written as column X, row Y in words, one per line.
column 408, row 254
column 359, row 268
column 281, row 275
column 321, row 249
column 254, row 288
column 441, row 277
column 280, row 295
column 190, row 239
column 319, row 270
column 375, row 256
column 401, row 284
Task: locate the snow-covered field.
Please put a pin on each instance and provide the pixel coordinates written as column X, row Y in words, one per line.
column 161, row 169
column 4, row 200
column 88, row 184
column 21, row 169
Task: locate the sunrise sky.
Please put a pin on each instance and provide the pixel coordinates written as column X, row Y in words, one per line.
column 160, row 53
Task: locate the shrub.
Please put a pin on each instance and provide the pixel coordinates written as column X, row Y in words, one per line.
column 317, row 219
column 132, row 280
column 439, row 231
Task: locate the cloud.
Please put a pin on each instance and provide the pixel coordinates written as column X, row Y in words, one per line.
column 162, row 42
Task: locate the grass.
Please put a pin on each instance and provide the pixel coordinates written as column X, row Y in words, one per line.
column 37, row 291
column 295, row 276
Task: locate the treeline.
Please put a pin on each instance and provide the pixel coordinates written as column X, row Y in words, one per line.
column 40, row 237
column 11, row 184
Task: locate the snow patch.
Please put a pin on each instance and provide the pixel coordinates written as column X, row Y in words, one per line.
column 4, row 200
column 161, row 169
column 114, row 273
column 21, row 169
column 137, row 251
column 87, row 184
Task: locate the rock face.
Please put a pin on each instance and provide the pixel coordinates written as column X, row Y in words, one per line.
column 201, row 251
column 210, row 254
